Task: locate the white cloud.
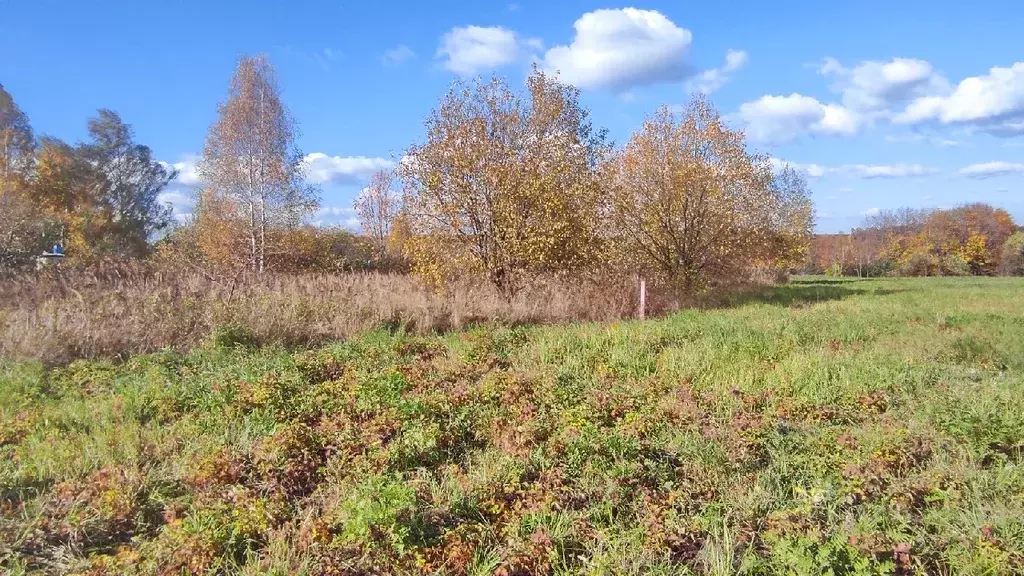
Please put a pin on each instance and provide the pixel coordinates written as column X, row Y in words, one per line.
column 336, row 215
column 993, row 102
column 175, row 198
column 874, row 86
column 780, row 119
column 336, row 211
column 870, row 212
column 188, row 173
column 813, row 171
column 991, row 169
column 711, row 80
column 865, row 171
column 888, row 171
column 621, row 49
column 398, row 54
column 921, row 139
column 342, row 170
column 181, row 203
column 474, row 49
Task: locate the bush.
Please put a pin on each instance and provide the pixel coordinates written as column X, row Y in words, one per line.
column 919, row 264
column 954, row 265
column 1012, row 262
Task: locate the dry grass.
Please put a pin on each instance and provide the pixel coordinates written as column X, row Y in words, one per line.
column 121, row 311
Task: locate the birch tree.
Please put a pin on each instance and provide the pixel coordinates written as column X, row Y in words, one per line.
column 251, row 157
column 377, row 207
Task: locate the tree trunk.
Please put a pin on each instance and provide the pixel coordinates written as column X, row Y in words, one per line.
column 252, row 235
column 263, row 234
column 643, row 298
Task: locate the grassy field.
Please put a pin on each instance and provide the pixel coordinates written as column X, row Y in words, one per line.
column 822, row 427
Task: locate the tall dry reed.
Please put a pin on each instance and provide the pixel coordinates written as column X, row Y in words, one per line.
column 124, row 310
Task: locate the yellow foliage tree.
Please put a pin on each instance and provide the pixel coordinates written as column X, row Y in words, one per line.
column 504, row 185
column 62, row 190
column 690, row 205
column 975, row 253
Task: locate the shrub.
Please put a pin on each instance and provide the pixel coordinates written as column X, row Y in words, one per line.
column 954, row 265
column 1013, row 256
column 919, row 264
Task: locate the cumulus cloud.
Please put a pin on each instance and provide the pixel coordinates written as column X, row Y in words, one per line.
column 991, row 169
column 179, row 194
column 874, row 86
column 181, row 203
column 471, row 50
column 993, row 102
column 398, row 54
column 780, row 119
column 342, row 170
column 621, row 49
column 711, row 80
column 188, row 173
column 335, row 216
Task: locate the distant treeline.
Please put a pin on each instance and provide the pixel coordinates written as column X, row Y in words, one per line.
column 973, row 239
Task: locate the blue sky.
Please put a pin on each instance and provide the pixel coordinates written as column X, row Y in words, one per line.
column 882, row 104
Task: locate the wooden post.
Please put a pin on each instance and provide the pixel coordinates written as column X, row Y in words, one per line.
column 643, row 298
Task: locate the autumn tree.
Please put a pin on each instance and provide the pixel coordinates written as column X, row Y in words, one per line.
column 211, row 240
column 25, row 231
column 377, row 207
column 251, row 157
column 99, row 198
column 790, row 220
column 504, row 184
column 104, row 192
column 1012, row 255
column 17, row 142
column 967, row 239
column 690, row 205
column 126, row 180
column 23, row 226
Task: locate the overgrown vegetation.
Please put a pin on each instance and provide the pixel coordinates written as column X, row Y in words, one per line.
column 123, row 310
column 514, row 188
column 973, row 239
column 825, row 427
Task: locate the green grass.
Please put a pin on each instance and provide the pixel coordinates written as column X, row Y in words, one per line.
column 823, row 427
